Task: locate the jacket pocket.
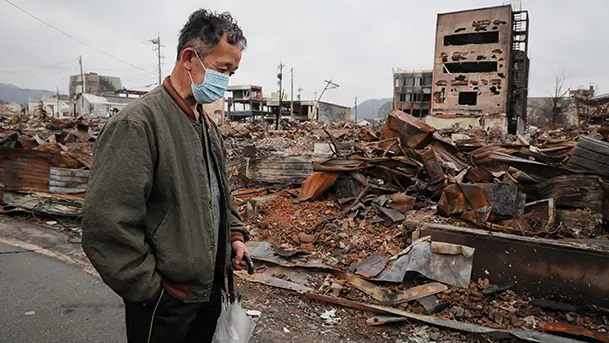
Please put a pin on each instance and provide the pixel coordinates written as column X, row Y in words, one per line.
column 161, row 222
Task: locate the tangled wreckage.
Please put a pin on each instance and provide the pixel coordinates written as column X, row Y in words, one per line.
column 467, row 229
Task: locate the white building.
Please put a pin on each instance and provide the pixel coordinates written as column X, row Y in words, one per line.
column 100, row 106
column 52, row 106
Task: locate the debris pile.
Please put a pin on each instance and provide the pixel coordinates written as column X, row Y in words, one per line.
column 330, row 222
column 44, row 163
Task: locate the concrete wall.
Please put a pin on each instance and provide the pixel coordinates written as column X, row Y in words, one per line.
column 491, row 87
column 50, row 106
column 335, row 113
column 486, row 122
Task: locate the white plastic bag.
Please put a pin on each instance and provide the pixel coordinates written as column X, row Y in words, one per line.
column 234, row 325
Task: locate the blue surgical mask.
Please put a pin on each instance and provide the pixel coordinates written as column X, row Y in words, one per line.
column 213, row 87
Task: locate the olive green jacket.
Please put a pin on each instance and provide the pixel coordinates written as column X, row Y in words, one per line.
column 147, row 216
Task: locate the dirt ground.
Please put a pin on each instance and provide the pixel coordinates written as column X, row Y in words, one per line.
column 289, row 317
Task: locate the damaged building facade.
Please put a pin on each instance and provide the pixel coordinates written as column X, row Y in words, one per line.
column 480, row 71
column 412, row 91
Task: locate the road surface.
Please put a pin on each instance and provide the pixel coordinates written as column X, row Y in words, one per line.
column 45, row 300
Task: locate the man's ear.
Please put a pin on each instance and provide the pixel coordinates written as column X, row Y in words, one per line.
column 186, row 58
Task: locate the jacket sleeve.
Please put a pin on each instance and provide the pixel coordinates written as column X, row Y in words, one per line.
column 237, row 229
column 113, row 235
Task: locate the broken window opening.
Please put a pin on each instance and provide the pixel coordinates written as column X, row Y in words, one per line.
column 440, row 97
column 470, row 67
column 472, row 38
column 427, row 81
column 426, row 97
column 468, row 98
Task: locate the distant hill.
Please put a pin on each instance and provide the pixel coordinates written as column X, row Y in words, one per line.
column 12, row 93
column 369, row 109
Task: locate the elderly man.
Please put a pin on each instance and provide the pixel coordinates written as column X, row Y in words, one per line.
column 159, row 223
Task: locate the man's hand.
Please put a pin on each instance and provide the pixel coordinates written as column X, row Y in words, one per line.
column 239, row 249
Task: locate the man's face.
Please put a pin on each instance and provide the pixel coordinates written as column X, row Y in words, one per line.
column 225, row 58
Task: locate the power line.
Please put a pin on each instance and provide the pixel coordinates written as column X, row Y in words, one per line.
column 76, row 39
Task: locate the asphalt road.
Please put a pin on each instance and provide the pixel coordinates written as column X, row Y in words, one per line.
column 45, row 300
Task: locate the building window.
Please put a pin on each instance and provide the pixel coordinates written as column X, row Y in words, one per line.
column 427, row 97
column 468, row 98
column 409, row 82
column 470, row 67
column 417, row 82
column 440, row 97
column 427, row 81
column 472, row 38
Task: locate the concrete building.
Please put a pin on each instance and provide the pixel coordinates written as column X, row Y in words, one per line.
column 246, row 101
column 94, row 84
column 51, row 106
column 481, row 67
column 305, row 110
column 412, row 91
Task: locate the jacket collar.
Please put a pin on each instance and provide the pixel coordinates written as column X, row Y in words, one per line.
column 182, row 103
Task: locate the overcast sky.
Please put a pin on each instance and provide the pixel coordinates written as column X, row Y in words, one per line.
column 353, row 42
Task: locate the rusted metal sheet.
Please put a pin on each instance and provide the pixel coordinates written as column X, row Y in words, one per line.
column 445, row 155
column 68, row 181
column 340, row 165
column 541, row 214
column 65, row 205
column 479, row 174
column 477, row 201
column 578, row 271
column 433, row 167
column 402, row 202
column 576, row 191
column 452, row 201
column 573, row 330
column 263, row 251
column 313, row 187
column 27, row 170
column 86, row 160
column 273, row 281
column 411, row 131
column 536, row 170
column 249, row 193
column 591, row 156
column 370, row 267
column 422, row 258
column 379, row 294
column 384, row 320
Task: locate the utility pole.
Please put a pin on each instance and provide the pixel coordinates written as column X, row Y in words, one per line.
column 157, row 48
column 83, row 88
column 356, row 110
column 329, row 85
column 292, row 92
column 57, row 103
column 280, row 82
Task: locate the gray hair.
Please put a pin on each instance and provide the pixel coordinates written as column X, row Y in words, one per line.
column 204, row 29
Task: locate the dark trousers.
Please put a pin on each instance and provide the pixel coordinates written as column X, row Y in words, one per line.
column 167, row 319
